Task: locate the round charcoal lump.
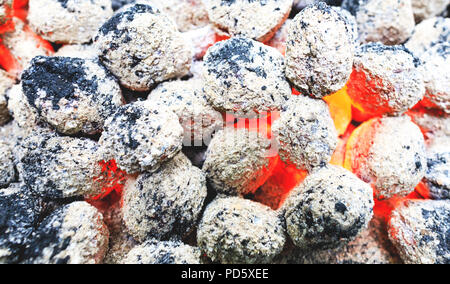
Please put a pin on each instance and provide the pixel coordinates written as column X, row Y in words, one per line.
column 331, row 207
column 140, row 136
column 72, row 234
column 243, row 75
column 58, row 167
column 163, row 252
column 235, row 230
column 71, row 94
column 424, row 9
column 142, row 47
column 319, row 51
column 258, row 20
column 19, row 214
column 68, row 21
column 165, row 203
column 428, row 33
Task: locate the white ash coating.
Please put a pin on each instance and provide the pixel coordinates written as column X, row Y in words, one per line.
column 420, row 231
column 388, row 153
column 279, row 39
column 258, row 20
column 424, row 9
column 352, row 25
column 390, row 22
column 319, row 51
column 68, row 21
column 7, row 170
column 23, row 45
column 73, row 95
column 235, row 230
column 58, row 167
column 428, row 33
column 140, row 136
column 237, row 161
column 243, row 75
column 141, row 46
column 6, row 82
column 305, row 132
column 165, row 203
column 163, row 252
column 331, row 207
column 20, row 109
column 73, row 234
column 430, row 124
column 436, row 76
column 437, row 177
column 187, row 14
column 200, row 40
column 187, row 100
column 385, row 79
column 84, row 51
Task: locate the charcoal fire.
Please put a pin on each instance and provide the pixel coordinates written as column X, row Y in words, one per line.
column 224, row 132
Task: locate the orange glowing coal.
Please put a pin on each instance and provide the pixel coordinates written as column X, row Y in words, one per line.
column 111, row 178
column 340, row 107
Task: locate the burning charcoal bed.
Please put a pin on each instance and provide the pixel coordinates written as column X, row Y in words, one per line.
column 224, row 132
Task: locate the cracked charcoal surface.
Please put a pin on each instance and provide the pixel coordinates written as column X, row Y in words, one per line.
column 257, row 20
column 140, row 136
column 6, row 82
column 387, row 21
column 19, row 214
column 385, row 79
column 429, row 33
column 165, row 203
column 236, row 230
column 58, row 167
column 7, row 169
column 420, row 230
column 142, row 47
column 163, row 252
column 237, row 161
column 437, row 177
column 424, row 9
column 72, row 21
column 331, row 207
column 243, row 75
column 187, row 100
column 306, row 133
column 319, row 51
column 388, row 153
column 73, row 234
column 436, row 77
column 82, row 94
column 84, row 51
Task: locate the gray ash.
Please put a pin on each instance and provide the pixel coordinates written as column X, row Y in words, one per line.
column 437, row 176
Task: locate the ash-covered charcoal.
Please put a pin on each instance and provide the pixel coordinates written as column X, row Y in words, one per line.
column 420, row 231
column 279, row 40
column 385, row 80
column 73, row 95
column 350, row 21
column 305, row 133
column 390, row 22
column 7, row 170
column 84, row 51
column 319, row 51
column 142, row 47
column 73, row 234
column 163, row 252
column 6, row 82
column 140, row 136
column 430, row 124
column 331, row 207
column 24, row 44
column 236, row 230
column 68, row 21
column 429, row 33
column 258, row 20
column 166, row 203
column 424, row 9
column 436, row 75
column 388, row 153
column 19, row 214
column 187, row 100
column 243, row 75
column 237, row 161
column 437, row 177
column 20, row 109
column 57, row 167
column 200, row 40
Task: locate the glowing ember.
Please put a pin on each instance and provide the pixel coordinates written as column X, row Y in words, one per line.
column 8, row 61
column 339, row 154
column 340, row 107
column 112, row 179
column 384, row 208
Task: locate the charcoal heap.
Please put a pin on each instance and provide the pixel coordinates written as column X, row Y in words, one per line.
column 207, row 131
